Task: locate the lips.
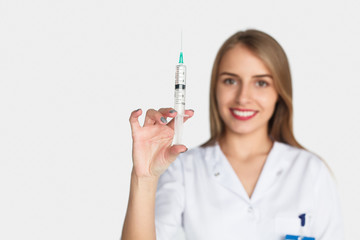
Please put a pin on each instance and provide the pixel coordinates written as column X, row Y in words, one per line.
column 243, row 114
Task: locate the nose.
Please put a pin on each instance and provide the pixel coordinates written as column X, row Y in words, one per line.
column 244, row 95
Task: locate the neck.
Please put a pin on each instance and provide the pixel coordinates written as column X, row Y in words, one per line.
column 244, row 146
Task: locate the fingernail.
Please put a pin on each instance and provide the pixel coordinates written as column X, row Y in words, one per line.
column 137, row 109
column 185, row 150
column 163, row 120
column 172, row 111
column 191, row 110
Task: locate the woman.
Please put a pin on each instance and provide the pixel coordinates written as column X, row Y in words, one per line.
column 252, row 179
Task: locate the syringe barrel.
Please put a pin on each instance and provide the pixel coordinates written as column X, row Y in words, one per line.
column 180, row 87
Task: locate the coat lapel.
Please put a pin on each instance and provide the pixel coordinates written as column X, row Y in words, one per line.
column 273, row 168
column 224, row 174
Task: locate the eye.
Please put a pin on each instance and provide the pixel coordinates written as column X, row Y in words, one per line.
column 229, row 81
column 261, row 83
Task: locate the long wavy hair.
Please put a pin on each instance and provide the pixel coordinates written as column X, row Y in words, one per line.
column 280, row 125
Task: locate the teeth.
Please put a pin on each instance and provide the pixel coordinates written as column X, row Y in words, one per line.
column 243, row 113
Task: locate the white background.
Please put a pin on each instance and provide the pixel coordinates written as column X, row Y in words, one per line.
column 71, row 72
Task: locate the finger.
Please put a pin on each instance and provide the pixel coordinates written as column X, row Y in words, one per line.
column 134, row 119
column 188, row 114
column 168, row 112
column 174, row 151
column 152, row 117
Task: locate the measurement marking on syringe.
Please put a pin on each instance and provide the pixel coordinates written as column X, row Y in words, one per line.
column 177, row 86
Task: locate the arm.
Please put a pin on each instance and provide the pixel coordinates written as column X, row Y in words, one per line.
column 140, row 217
column 152, row 155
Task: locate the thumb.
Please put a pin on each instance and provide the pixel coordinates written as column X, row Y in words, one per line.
column 175, row 150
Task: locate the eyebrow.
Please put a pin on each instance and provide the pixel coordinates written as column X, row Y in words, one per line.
column 255, row 76
column 264, row 75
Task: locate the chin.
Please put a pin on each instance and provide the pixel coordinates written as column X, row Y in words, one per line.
column 242, row 130
column 245, row 130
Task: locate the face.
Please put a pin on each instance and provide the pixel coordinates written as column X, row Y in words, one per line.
column 245, row 92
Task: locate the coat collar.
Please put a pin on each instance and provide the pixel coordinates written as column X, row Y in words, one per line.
column 222, row 172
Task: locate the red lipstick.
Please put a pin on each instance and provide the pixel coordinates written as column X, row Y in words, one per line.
column 236, row 114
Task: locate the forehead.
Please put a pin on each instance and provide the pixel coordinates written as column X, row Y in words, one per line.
column 242, row 61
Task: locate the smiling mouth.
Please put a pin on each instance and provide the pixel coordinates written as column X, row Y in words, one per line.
column 243, row 114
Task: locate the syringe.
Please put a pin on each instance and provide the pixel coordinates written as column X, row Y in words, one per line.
column 180, row 85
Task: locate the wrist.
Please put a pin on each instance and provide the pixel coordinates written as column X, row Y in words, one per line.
column 147, row 182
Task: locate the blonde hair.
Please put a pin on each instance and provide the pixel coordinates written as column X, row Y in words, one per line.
column 280, row 126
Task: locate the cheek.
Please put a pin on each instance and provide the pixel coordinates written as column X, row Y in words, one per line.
column 226, row 95
column 222, row 101
column 268, row 100
column 220, row 97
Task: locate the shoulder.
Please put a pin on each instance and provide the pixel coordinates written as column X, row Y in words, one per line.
column 304, row 169
column 187, row 163
column 297, row 159
column 198, row 158
column 295, row 152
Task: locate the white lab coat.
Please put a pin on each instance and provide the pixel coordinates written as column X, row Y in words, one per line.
column 201, row 193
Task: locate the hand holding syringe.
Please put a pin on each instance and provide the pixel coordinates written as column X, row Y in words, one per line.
column 152, row 144
column 153, row 151
column 152, row 154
